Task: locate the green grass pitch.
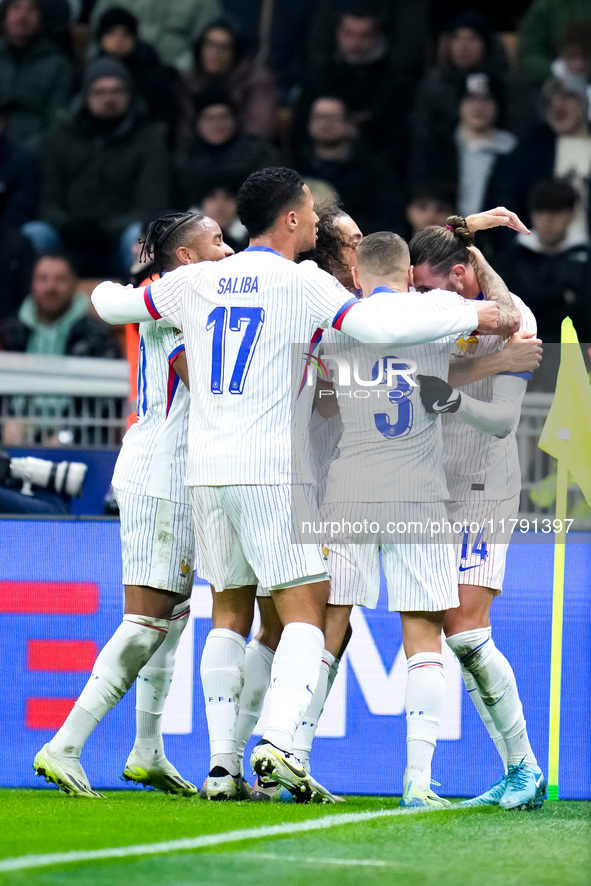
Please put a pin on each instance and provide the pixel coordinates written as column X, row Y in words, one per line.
column 457, row 847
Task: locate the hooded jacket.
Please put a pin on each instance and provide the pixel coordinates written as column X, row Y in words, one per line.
column 113, row 174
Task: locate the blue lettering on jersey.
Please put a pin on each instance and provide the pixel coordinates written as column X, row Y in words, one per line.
column 235, row 285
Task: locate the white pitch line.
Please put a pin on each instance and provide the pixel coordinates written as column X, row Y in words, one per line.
column 300, row 859
column 279, row 830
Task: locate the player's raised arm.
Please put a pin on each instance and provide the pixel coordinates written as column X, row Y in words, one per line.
column 161, row 299
column 115, row 303
column 498, row 417
column 494, row 218
column 415, row 319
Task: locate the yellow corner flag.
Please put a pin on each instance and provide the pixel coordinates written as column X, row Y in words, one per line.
column 567, row 430
column 566, row 436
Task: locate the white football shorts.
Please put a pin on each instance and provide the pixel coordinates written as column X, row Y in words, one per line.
column 480, row 561
column 244, row 536
column 420, row 574
column 157, row 542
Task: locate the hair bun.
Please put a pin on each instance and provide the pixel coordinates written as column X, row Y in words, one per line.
column 460, row 229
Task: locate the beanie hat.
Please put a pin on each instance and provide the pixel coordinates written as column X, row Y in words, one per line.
column 476, row 21
column 105, row 66
column 567, row 84
column 116, row 17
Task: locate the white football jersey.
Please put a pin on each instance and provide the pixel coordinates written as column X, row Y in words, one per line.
column 478, row 465
column 390, row 448
column 240, row 318
column 153, row 457
column 244, row 315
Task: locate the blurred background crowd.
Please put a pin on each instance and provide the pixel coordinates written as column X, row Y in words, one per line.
column 114, row 112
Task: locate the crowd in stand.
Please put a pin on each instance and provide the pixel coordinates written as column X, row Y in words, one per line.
column 114, row 112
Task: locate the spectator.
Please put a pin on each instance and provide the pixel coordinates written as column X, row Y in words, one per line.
column 35, row 77
column 117, row 36
column 502, row 16
column 430, row 203
column 170, row 27
column 218, row 148
column 468, row 46
column 406, row 26
column 574, row 56
column 549, row 267
column 58, row 18
column 105, row 168
column 540, row 32
column 465, row 161
column 54, row 318
column 219, row 203
column 219, row 59
column 322, row 192
column 362, row 74
column 19, row 195
column 17, row 258
column 369, row 192
column 559, row 147
column 19, row 179
column 275, row 34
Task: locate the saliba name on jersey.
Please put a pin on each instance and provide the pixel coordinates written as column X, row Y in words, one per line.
column 237, row 284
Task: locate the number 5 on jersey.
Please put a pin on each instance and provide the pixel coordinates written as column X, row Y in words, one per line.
column 218, row 321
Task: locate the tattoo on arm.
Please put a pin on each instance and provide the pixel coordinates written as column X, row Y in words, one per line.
column 494, row 288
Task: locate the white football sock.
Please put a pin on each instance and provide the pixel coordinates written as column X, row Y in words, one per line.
column 484, row 715
column 425, row 691
column 153, row 685
column 295, row 672
column 258, row 661
column 222, row 676
column 304, row 736
column 332, row 675
column 116, row 667
column 497, row 688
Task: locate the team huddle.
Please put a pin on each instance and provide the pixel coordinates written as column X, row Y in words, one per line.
column 222, row 479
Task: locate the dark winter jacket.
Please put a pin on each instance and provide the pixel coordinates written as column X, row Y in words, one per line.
column 109, row 176
column 17, row 257
column 203, row 164
column 554, row 285
column 19, row 184
column 35, row 81
column 370, row 191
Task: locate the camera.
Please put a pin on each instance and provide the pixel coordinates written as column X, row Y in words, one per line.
column 64, row 477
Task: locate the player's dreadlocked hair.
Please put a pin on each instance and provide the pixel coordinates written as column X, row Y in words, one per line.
column 164, row 236
column 328, row 252
column 442, row 247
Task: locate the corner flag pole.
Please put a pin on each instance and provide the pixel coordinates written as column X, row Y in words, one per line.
column 566, row 436
column 557, row 617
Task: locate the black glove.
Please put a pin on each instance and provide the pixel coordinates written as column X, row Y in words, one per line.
column 437, row 396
